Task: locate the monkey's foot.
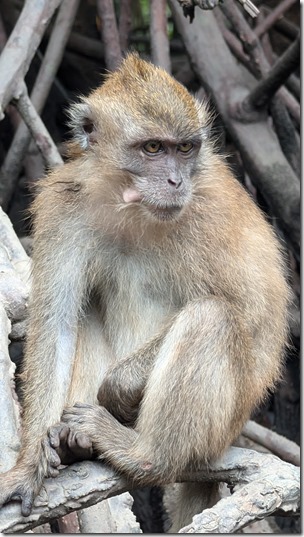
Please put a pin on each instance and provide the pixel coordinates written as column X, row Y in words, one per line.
column 70, row 445
column 21, row 485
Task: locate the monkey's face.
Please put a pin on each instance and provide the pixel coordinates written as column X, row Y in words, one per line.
column 147, row 134
column 160, row 176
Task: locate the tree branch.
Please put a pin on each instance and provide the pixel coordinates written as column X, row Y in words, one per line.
column 275, row 78
column 158, row 32
column 279, row 445
column 53, row 55
column 125, row 23
column 21, row 47
column 109, row 33
column 38, row 129
column 272, row 18
column 87, row 483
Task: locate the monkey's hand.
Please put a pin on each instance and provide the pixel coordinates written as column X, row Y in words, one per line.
column 121, row 393
column 70, row 445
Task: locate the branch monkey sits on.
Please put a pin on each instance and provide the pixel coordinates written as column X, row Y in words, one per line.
column 157, row 284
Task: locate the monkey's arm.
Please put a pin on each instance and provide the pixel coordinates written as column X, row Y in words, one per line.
column 202, row 388
column 123, row 386
column 58, row 286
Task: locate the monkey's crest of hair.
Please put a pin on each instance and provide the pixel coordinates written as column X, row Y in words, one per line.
column 147, row 96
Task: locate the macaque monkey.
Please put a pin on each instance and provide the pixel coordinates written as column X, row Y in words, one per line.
column 158, row 310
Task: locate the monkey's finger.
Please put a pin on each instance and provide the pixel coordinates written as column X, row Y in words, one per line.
column 83, row 441
column 57, row 433
column 52, row 456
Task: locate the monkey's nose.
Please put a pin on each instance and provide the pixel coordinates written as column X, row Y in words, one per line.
column 175, row 182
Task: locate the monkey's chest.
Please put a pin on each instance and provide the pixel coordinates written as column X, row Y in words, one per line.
column 135, row 308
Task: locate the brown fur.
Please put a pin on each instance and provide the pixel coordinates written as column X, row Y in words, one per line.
column 180, row 321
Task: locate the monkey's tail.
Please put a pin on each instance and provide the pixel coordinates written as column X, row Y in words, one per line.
column 191, row 499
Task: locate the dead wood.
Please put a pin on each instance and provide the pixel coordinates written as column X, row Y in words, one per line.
column 158, row 31
column 279, row 445
column 125, row 23
column 14, row 292
column 14, row 159
column 87, row 483
column 37, row 129
column 21, row 47
column 275, row 78
column 109, row 33
column 273, row 17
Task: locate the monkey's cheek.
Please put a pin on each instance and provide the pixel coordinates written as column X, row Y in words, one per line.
column 131, row 195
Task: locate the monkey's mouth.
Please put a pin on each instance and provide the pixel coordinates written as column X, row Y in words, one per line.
column 165, row 213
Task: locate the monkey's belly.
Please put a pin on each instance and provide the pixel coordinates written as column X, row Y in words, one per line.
column 104, row 341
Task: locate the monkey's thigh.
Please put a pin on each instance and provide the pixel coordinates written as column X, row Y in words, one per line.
column 92, row 360
column 189, row 406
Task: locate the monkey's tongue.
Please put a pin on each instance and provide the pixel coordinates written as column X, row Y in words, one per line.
column 130, row 195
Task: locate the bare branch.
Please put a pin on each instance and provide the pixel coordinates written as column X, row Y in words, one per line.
column 51, row 61
column 87, row 483
column 21, row 47
column 87, row 46
column 10, row 418
column 159, row 38
column 16, row 252
column 125, row 22
column 276, row 77
column 38, row 130
column 109, row 33
column 272, row 18
column 253, row 47
column 113, row 515
column 279, row 445
column 285, row 26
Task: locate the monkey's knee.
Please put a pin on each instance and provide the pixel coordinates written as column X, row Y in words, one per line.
column 120, row 397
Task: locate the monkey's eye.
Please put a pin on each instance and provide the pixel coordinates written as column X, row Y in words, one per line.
column 185, row 148
column 153, row 147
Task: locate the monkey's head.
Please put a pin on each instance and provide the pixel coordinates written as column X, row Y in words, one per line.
column 144, row 126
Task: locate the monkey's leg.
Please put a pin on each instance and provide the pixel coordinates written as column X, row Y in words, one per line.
column 198, row 396
column 93, row 358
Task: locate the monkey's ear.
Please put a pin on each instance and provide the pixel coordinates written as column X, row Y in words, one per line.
column 81, row 123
